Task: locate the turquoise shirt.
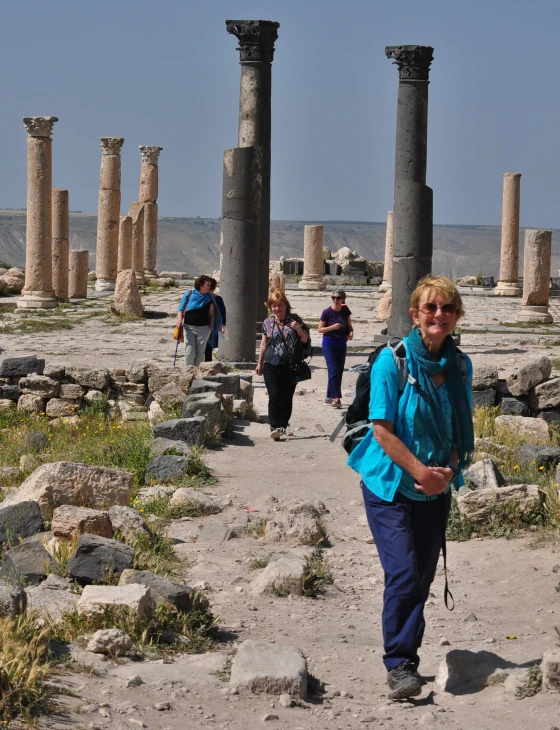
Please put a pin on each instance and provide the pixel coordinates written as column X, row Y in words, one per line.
column 379, row 473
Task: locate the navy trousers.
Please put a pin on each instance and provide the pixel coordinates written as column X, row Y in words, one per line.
column 408, row 535
column 334, row 353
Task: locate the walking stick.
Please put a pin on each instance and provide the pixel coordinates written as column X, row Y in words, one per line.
column 175, row 355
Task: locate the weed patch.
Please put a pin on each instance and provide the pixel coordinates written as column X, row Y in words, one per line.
column 257, row 529
column 532, row 684
column 259, row 563
column 317, row 575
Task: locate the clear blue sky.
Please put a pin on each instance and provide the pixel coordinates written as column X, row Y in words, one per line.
column 167, row 73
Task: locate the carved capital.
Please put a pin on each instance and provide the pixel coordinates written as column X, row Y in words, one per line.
column 413, row 61
column 150, row 154
column 39, row 126
column 111, row 145
column 256, row 38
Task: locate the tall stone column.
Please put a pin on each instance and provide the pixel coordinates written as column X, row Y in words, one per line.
column 256, row 47
column 148, row 197
column 241, row 199
column 38, row 291
column 125, row 243
column 78, row 274
column 60, row 243
column 536, row 277
column 312, row 258
column 388, row 266
column 136, row 212
column 108, row 214
column 413, row 209
column 508, row 285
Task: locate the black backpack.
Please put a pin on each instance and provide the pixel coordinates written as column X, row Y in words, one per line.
column 356, row 417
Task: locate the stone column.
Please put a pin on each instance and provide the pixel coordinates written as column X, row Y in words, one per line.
column 256, row 47
column 277, row 281
column 125, row 243
column 413, row 209
column 536, row 277
column 148, row 197
column 388, row 266
column 241, row 198
column 508, row 285
column 60, row 243
column 78, row 275
column 38, row 291
column 108, row 214
column 136, row 212
column 312, row 258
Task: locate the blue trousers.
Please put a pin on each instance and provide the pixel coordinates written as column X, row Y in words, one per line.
column 408, row 535
column 334, row 352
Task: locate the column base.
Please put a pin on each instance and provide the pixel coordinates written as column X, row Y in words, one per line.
column 37, row 300
column 534, row 314
column 385, row 285
column 139, row 276
column 312, row 284
column 508, row 289
column 105, row 285
column 150, row 274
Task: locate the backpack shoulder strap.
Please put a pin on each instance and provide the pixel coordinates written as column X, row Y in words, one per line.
column 462, row 362
column 398, row 349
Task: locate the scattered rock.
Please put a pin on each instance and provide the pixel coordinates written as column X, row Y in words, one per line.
column 39, row 385
column 159, row 376
column 479, row 506
column 134, row 681
column 186, row 497
column 484, row 398
column 464, row 670
column 135, row 597
column 52, row 598
column 96, row 378
column 551, row 670
column 545, row 456
column 167, row 447
column 13, row 600
column 190, row 430
column 129, row 523
column 169, row 397
column 162, row 590
column 20, row 521
column 28, row 562
column 213, row 532
column 167, row 468
column 94, row 396
column 293, row 528
column 208, row 406
column 68, row 482
column 148, row 494
column 61, row 408
column 96, row 557
column 533, row 430
column 484, row 475
column 34, row 442
column 127, row 294
column 15, row 280
column 29, row 403
column 70, row 521
column 484, row 377
column 545, row 395
column 281, row 577
column 16, row 367
column 260, row 667
column 110, row 641
column 530, row 375
column 514, row 406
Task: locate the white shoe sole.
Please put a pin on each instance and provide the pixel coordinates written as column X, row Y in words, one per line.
column 275, row 435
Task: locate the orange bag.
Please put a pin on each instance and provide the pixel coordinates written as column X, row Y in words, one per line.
column 178, row 334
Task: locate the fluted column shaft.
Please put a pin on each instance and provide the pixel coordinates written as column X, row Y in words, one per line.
column 60, row 243
column 108, row 214
column 388, row 265
column 508, row 284
column 38, row 291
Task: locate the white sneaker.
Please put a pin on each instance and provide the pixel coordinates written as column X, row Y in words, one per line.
column 275, row 434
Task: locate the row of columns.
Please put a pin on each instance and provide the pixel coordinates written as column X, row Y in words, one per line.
column 53, row 273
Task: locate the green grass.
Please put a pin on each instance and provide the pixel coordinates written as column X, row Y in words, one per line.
column 33, row 326
column 526, row 325
column 162, row 508
column 555, row 363
column 317, row 575
column 532, row 684
column 257, row 529
column 259, row 563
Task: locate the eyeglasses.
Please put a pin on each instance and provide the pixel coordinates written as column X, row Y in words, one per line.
column 336, row 299
column 432, row 308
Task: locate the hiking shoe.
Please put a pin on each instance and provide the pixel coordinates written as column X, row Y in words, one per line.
column 404, row 681
column 336, row 403
column 281, row 431
column 275, row 434
column 328, row 401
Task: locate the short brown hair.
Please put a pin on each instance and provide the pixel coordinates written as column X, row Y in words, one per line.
column 200, row 280
column 277, row 295
column 431, row 286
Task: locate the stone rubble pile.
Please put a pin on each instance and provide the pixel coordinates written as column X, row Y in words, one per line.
column 343, row 267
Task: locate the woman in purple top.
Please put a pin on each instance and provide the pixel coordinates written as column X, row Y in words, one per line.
column 336, row 328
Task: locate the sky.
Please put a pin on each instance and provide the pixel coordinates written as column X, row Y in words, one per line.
column 167, row 74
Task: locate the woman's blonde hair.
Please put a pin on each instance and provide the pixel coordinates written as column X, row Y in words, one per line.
column 277, row 295
column 430, row 286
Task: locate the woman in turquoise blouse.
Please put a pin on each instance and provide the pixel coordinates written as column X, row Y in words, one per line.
column 420, row 441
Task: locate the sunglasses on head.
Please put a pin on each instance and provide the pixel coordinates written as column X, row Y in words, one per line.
column 431, row 308
column 336, row 298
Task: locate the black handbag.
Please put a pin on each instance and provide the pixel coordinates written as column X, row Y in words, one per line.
column 299, row 371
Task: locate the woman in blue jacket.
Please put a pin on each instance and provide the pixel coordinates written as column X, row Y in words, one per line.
column 420, row 441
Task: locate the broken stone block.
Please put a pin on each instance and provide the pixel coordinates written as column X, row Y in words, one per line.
column 127, row 294
column 129, row 523
column 230, row 383
column 34, row 442
column 208, row 406
column 31, row 403
column 213, row 532
column 113, row 642
column 240, row 408
column 186, row 497
column 293, row 528
column 514, row 406
column 169, row 397
column 159, row 376
column 190, row 430
column 52, row 598
column 545, row 456
column 167, row 468
column 61, row 408
column 283, row 576
column 15, row 367
column 551, row 670
column 137, row 598
column 39, row 385
column 163, row 590
column 545, row 395
column 167, row 447
column 13, row 600
column 484, row 475
column 264, row 668
column 530, row 375
column 71, row 391
column 96, row 557
column 96, row 378
column 70, row 521
column 463, row 670
column 479, row 506
column 20, row 521
column 484, row 376
column 533, row 430
column 28, row 562
column 199, row 387
column 484, row 398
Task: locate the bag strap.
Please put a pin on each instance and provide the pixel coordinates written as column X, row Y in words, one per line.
column 186, row 303
column 446, row 592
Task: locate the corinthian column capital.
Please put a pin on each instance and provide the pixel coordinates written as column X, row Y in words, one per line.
column 150, row 154
column 39, row 126
column 111, row 145
column 256, row 38
column 413, row 62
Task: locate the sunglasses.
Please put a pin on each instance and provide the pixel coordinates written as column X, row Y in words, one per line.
column 336, row 299
column 431, row 308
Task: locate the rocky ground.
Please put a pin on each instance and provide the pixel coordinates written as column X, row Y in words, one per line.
column 504, row 590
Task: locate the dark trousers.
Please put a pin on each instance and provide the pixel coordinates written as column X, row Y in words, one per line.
column 208, row 353
column 335, row 357
column 408, row 536
column 280, row 394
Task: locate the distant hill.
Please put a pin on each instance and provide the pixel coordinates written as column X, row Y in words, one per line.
column 193, row 244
